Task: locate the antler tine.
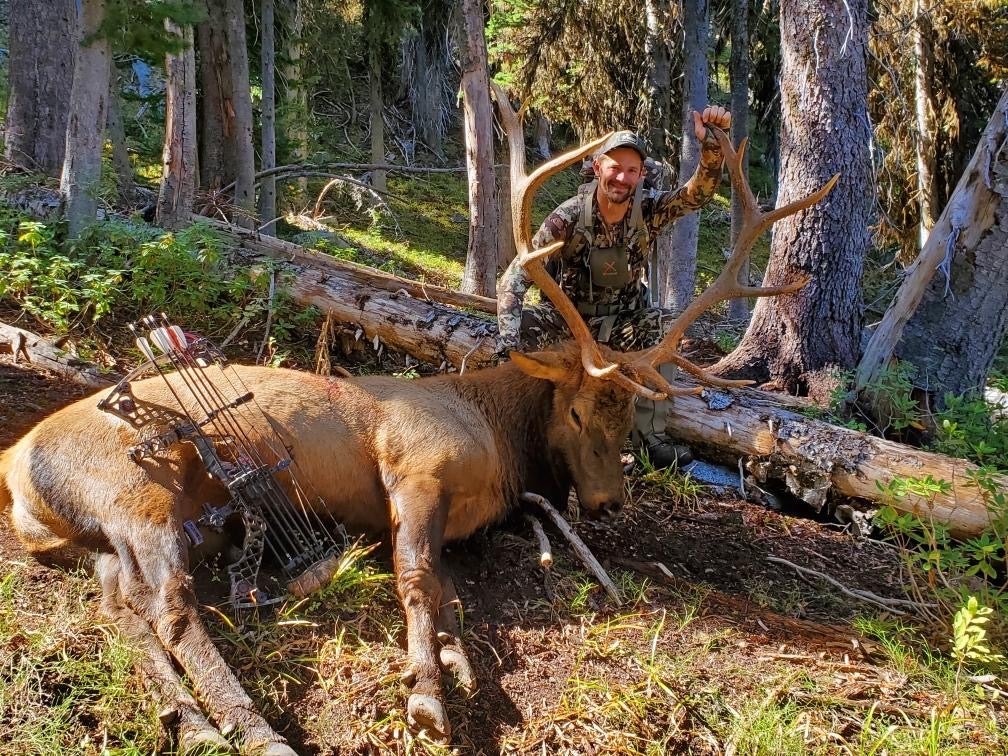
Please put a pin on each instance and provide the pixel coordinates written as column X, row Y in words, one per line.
column 726, row 286
column 523, row 189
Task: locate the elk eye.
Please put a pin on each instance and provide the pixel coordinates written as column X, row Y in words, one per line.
column 576, row 418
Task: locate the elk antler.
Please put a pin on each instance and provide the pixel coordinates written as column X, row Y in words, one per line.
column 725, row 286
column 523, row 189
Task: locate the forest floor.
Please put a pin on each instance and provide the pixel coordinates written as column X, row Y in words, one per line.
column 718, row 650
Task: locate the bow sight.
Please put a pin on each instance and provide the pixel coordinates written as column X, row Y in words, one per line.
column 218, row 415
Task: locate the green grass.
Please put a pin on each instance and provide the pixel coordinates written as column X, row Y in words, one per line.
column 67, row 680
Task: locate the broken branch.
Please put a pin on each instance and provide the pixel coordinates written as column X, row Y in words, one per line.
column 579, row 546
column 545, row 550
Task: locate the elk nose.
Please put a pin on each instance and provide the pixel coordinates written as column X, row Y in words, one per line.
column 606, row 511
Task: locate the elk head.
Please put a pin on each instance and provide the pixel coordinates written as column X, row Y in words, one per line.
column 595, row 385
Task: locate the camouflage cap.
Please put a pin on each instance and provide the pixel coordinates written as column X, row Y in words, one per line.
column 624, row 139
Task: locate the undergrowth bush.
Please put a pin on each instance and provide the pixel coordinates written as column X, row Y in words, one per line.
column 961, row 583
column 124, row 269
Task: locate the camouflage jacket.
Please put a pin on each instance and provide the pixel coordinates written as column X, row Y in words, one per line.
column 570, row 266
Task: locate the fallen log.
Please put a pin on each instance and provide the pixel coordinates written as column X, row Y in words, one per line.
column 30, row 347
column 811, row 457
column 278, row 249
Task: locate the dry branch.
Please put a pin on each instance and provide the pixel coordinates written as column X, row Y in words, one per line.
column 579, row 546
column 279, row 249
column 545, row 550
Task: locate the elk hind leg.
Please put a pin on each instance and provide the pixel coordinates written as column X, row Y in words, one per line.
column 449, row 633
column 157, row 586
column 177, row 704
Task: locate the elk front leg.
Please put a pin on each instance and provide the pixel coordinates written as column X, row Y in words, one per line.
column 418, row 520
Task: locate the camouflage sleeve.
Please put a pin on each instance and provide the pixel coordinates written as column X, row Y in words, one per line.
column 696, row 192
column 514, row 284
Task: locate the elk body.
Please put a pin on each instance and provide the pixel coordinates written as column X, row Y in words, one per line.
column 428, row 460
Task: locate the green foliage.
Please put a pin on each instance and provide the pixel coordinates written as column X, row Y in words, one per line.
column 969, row 427
column 138, row 28
column 126, row 269
column 963, row 579
column 55, row 289
column 969, row 636
column 892, row 400
column 584, row 63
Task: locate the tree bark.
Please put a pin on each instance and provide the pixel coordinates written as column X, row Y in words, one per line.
column 244, row 151
column 795, row 340
column 216, row 103
column 267, row 188
column 86, row 125
column 295, row 105
column 924, row 102
column 678, row 247
column 481, row 257
column 43, row 39
column 738, row 72
column 954, row 334
column 178, row 168
column 659, row 80
column 426, row 77
column 126, row 183
column 376, row 120
column 542, row 135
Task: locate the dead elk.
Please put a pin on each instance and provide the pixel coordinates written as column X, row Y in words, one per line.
column 430, row 460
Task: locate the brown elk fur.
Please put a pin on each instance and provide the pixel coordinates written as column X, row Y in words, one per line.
column 431, row 460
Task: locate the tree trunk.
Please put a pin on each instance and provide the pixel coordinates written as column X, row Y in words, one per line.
column 243, row 145
column 659, row 80
column 295, row 107
column 43, row 37
column 481, row 257
column 117, row 137
column 267, row 187
column 426, row 74
column 542, row 135
column 924, row 102
column 377, row 122
column 953, row 336
column 85, row 133
column 795, row 340
column 678, row 247
column 178, row 169
column 738, row 72
column 216, row 104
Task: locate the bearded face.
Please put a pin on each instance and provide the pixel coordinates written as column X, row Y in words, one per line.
column 618, row 173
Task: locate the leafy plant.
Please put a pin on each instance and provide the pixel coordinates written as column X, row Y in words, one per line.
column 969, row 636
column 127, row 269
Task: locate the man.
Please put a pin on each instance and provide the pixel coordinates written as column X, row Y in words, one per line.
column 608, row 228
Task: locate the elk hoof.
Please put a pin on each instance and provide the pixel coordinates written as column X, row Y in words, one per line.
column 204, row 742
column 426, row 713
column 456, row 662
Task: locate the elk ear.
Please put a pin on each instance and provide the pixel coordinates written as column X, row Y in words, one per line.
column 550, row 366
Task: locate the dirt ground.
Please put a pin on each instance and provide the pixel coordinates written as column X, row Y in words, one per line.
column 555, row 660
